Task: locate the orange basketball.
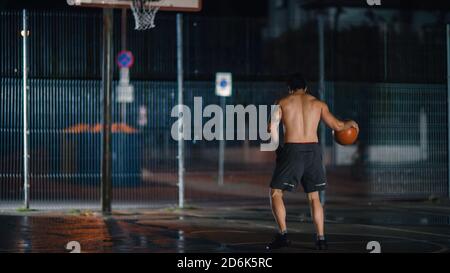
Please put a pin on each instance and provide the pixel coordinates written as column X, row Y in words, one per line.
column 346, row 137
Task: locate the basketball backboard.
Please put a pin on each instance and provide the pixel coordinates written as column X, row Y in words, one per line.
column 167, row 5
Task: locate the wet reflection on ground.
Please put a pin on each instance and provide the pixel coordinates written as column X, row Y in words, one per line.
column 398, row 228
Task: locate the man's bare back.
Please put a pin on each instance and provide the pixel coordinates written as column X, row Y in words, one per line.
column 301, row 113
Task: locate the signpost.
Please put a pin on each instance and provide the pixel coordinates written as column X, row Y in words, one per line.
column 224, row 88
column 125, row 91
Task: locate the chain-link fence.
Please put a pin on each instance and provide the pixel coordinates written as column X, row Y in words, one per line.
column 402, row 149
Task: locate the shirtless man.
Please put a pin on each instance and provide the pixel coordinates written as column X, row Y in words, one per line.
column 300, row 158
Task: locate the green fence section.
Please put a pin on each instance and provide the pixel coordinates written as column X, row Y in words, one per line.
column 402, row 148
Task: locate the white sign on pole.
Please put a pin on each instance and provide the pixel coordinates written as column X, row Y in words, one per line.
column 224, row 84
column 125, row 91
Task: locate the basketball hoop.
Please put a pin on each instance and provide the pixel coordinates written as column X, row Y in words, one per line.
column 144, row 13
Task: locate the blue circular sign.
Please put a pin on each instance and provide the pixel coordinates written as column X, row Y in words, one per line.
column 223, row 83
column 125, row 59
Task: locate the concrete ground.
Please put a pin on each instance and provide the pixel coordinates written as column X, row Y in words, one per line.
column 350, row 226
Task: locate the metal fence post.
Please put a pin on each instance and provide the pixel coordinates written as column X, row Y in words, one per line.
column 320, row 26
column 106, row 185
column 26, row 182
column 448, row 109
column 180, row 103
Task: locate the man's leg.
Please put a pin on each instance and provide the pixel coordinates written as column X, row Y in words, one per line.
column 279, row 212
column 278, row 209
column 316, row 212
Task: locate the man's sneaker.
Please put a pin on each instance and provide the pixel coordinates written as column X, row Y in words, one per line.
column 321, row 244
column 279, row 241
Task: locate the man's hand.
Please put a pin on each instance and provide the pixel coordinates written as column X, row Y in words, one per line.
column 350, row 124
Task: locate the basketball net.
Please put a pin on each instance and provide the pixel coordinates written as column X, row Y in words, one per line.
column 144, row 14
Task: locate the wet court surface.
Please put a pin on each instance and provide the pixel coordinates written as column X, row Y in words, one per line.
column 398, row 227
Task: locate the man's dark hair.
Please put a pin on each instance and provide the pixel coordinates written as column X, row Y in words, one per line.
column 296, row 81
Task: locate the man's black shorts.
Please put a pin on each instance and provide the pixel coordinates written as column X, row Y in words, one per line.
column 299, row 163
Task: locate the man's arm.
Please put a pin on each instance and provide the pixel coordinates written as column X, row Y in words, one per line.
column 272, row 129
column 274, row 123
column 275, row 118
column 334, row 123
